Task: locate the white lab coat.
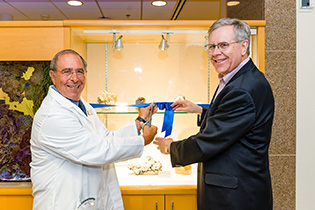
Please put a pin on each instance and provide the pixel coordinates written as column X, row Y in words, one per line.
column 73, row 156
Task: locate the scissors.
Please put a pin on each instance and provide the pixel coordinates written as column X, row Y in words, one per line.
column 148, row 122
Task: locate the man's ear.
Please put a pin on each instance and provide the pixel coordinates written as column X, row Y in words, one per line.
column 244, row 47
column 52, row 76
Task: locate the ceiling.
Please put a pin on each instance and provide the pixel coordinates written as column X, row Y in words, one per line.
column 111, row 9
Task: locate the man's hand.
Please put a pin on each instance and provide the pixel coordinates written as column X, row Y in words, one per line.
column 149, row 134
column 186, row 106
column 144, row 113
column 163, row 144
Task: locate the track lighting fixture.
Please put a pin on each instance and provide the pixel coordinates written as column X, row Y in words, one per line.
column 117, row 44
column 164, row 43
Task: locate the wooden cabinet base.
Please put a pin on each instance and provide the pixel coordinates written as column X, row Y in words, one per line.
column 160, row 198
column 13, row 197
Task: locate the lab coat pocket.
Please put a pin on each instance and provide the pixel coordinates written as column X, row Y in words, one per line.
column 222, row 180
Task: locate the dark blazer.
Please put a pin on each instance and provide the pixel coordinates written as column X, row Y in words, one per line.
column 232, row 145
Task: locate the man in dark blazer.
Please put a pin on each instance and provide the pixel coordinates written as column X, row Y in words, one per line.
column 231, row 148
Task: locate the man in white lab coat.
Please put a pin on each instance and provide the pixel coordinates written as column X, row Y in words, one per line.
column 73, row 154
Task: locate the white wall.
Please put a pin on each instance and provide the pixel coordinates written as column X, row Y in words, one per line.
column 305, row 159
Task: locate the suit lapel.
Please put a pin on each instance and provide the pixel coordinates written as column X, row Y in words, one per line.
column 214, row 102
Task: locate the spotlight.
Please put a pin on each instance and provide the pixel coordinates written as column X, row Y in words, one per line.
column 164, row 43
column 117, row 44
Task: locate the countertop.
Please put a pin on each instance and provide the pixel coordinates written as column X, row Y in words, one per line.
column 166, row 177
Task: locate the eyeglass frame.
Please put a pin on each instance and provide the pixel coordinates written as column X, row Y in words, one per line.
column 207, row 46
column 79, row 72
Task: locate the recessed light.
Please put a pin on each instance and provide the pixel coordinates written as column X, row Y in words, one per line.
column 75, row 3
column 159, row 3
column 232, row 3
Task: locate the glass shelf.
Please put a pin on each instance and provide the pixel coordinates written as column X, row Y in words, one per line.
column 111, row 112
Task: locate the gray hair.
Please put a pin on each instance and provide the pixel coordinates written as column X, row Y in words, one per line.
column 54, row 61
column 241, row 29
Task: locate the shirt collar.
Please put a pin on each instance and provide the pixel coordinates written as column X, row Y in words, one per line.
column 75, row 102
column 229, row 76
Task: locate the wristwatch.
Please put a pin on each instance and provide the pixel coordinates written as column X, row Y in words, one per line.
column 141, row 119
column 167, row 148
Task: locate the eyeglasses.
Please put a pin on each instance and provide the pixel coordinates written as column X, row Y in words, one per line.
column 221, row 46
column 69, row 72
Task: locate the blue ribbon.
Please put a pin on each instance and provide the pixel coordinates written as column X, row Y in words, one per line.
column 168, row 115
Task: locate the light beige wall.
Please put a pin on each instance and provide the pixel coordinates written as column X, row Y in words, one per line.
column 305, row 158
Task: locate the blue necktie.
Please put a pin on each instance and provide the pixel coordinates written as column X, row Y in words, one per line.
column 82, row 107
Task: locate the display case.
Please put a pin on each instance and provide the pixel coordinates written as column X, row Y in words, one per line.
column 140, row 68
